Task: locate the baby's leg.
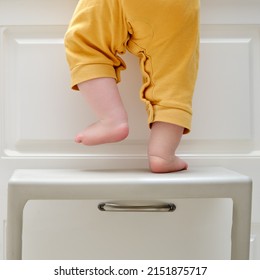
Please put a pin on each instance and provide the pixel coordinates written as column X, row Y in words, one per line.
column 164, row 140
column 103, row 97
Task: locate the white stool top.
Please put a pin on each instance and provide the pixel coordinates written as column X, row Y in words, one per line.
column 193, row 176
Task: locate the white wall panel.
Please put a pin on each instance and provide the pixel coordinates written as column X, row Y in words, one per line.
column 222, row 108
column 226, row 99
column 41, row 111
column 37, row 87
column 35, row 76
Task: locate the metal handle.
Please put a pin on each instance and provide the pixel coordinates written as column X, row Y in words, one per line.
column 134, row 207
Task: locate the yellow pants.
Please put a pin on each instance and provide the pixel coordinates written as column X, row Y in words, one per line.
column 164, row 34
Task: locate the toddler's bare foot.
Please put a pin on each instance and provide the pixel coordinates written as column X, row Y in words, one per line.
column 164, row 140
column 161, row 165
column 103, row 132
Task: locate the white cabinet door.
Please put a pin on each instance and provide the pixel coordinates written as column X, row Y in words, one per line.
column 39, row 115
column 79, row 230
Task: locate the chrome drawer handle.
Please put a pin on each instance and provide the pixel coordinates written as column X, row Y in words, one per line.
column 158, row 207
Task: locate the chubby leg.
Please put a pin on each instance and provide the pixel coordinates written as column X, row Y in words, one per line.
column 164, row 140
column 103, row 97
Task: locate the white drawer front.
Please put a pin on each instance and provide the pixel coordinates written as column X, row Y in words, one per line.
column 197, row 229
